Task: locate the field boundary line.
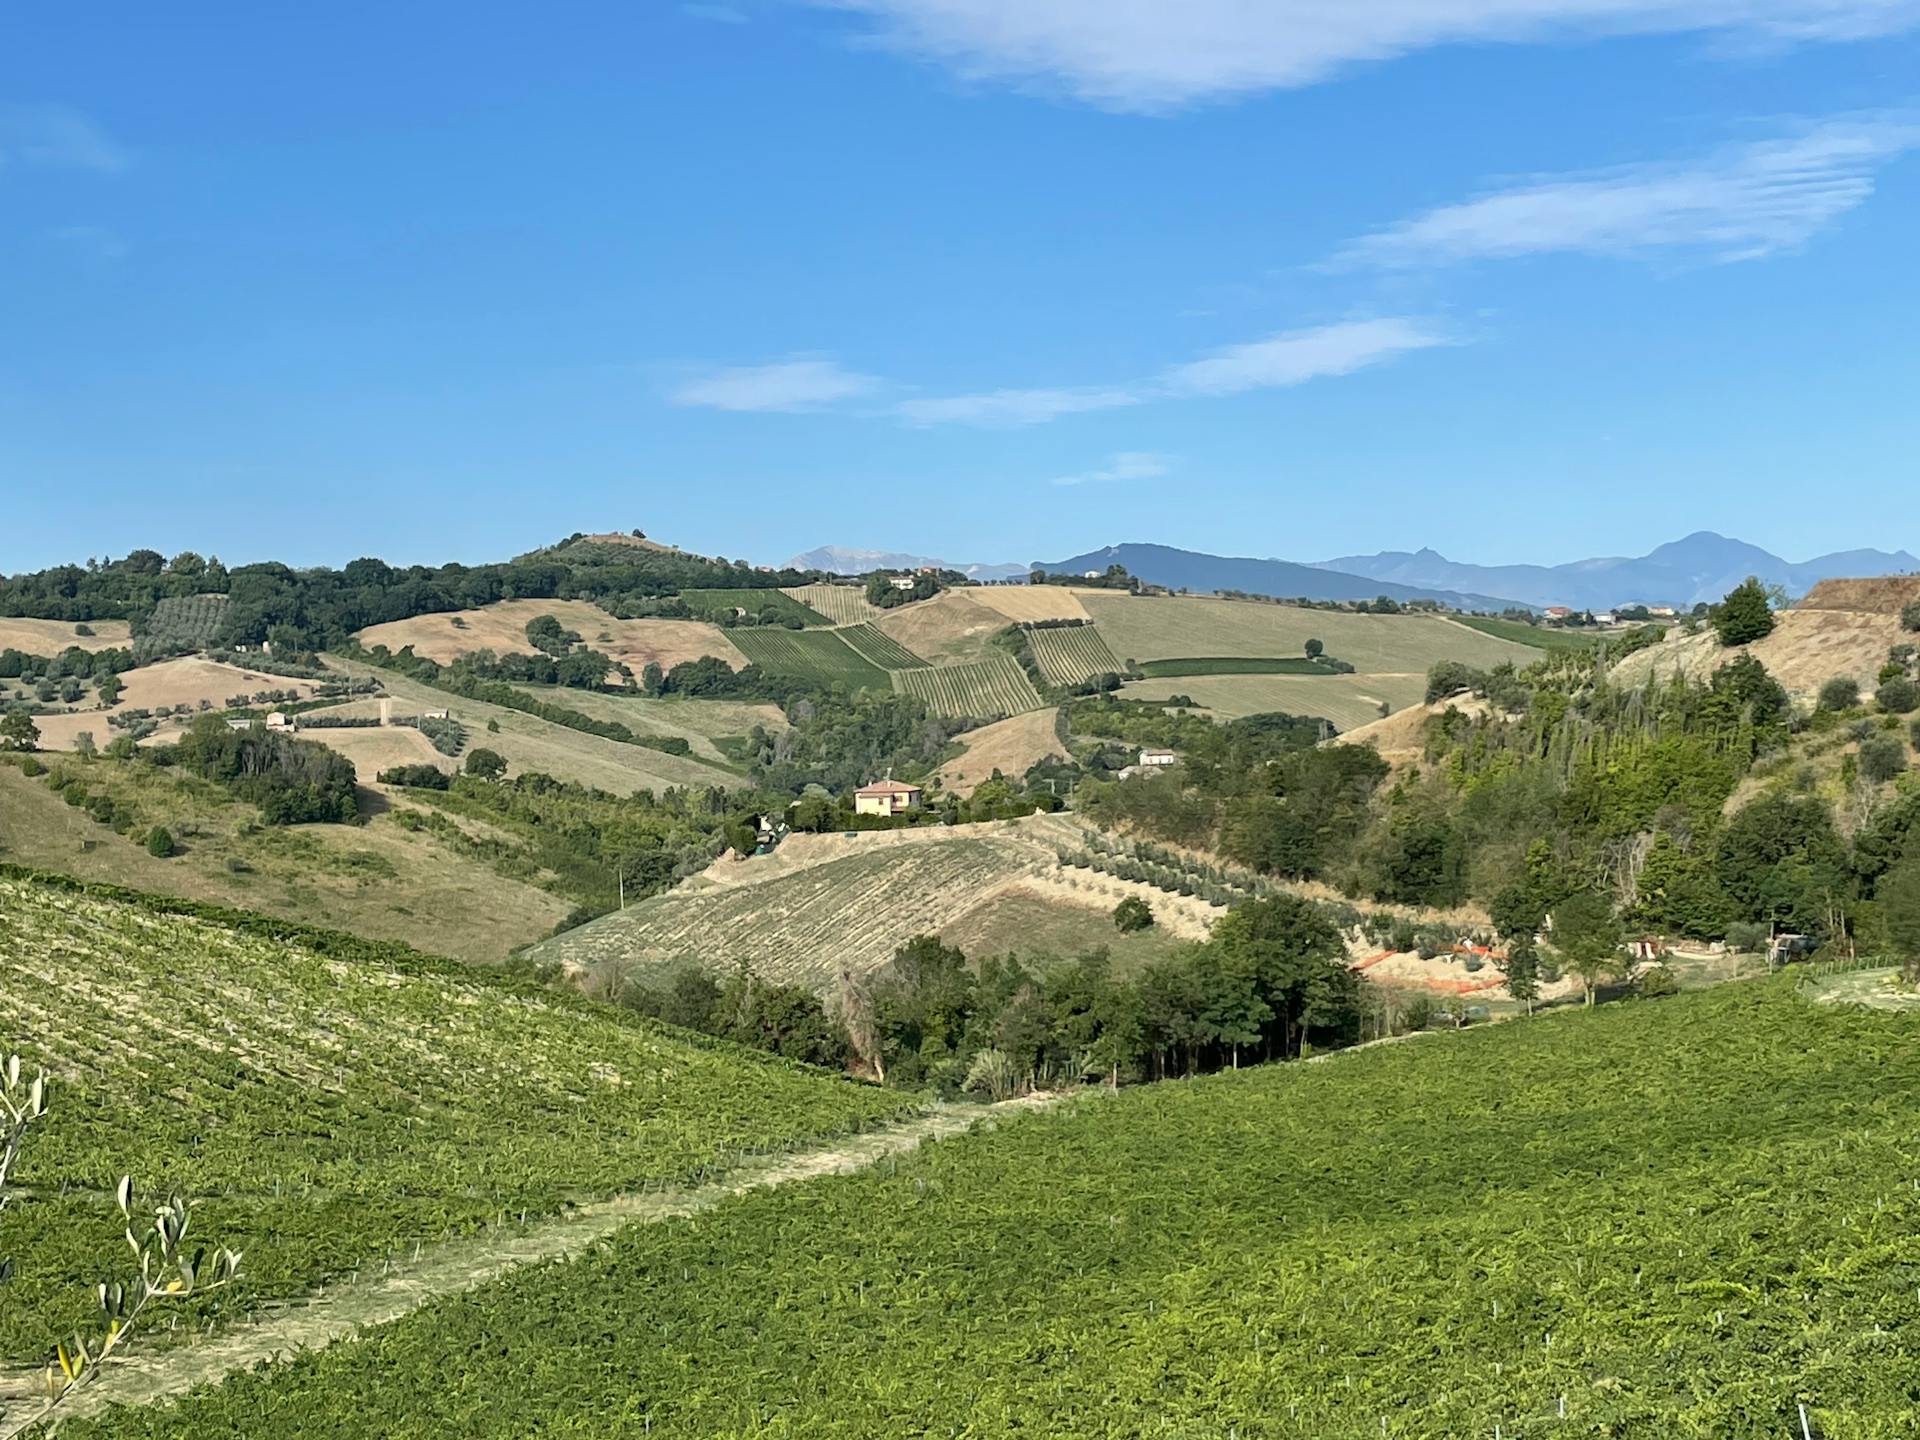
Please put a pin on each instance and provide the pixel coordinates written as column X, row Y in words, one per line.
column 340, row 1311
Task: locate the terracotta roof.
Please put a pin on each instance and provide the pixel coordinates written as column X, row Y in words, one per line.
column 888, row 787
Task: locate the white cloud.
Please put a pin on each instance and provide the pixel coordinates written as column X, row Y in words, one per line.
column 1126, row 465
column 55, row 135
column 791, row 386
column 1746, row 201
column 1157, row 54
column 1277, row 362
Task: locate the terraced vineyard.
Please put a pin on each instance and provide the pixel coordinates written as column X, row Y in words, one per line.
column 1676, row 1219
column 815, row 654
column 803, row 927
column 882, row 649
column 842, row 604
column 1070, row 654
column 983, row 689
column 328, row 1100
column 710, row 603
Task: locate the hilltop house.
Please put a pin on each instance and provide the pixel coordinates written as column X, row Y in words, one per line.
column 901, row 582
column 1559, row 612
column 887, row 797
column 1158, row 758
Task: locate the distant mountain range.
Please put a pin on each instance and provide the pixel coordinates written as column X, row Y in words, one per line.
column 839, row 560
column 1702, row 567
column 1191, row 570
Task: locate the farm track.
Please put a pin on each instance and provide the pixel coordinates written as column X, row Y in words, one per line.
column 337, row 1312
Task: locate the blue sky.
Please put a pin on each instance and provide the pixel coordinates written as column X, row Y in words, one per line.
column 985, row 279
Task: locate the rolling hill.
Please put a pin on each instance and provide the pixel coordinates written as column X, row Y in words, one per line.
column 1281, row 579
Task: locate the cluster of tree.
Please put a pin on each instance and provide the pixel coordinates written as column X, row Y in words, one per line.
column 839, row 741
column 303, row 611
column 1746, row 614
column 292, row 781
column 73, row 662
column 1114, row 577
column 744, row 1008
column 882, row 592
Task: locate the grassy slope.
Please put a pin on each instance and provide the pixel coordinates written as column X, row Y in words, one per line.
column 698, row 722
column 1349, row 701
column 1539, row 637
column 331, row 1101
column 1706, row 1203
column 529, row 743
column 376, row 880
column 1039, row 932
column 1232, row 665
column 1167, row 629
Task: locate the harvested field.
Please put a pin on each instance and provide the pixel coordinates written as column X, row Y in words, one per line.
column 50, row 637
column 1348, row 701
column 1807, row 648
column 698, row 722
column 184, row 681
column 842, row 604
column 1070, row 654
column 530, row 743
column 821, row 904
column 1172, row 628
column 993, row 686
column 1886, row 595
column 945, row 630
column 874, row 644
column 821, row 655
column 381, row 748
column 1013, row 747
column 377, row 879
column 1030, row 602
column 502, row 628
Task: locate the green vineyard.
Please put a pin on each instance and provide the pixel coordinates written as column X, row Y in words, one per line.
column 983, row 689
column 882, row 649
column 1070, row 654
column 327, row 1101
column 820, row 655
column 710, row 604
column 1232, row 665
column 180, row 623
column 1684, row 1218
column 842, row 604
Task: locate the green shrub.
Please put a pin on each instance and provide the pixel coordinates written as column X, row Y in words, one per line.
column 160, row 842
column 1882, row 758
column 1131, row 915
column 1910, row 615
column 1898, row 697
column 1656, row 984
column 32, row 768
column 1840, row 694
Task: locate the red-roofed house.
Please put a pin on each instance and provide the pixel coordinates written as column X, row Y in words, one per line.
column 886, row 797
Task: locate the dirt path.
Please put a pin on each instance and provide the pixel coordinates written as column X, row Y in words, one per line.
column 335, row 1312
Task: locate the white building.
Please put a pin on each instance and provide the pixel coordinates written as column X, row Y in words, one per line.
column 1158, row 758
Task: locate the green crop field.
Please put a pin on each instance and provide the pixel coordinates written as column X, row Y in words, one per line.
column 1682, row 1218
column 1540, row 637
column 874, row 644
column 983, row 689
column 1171, row 628
column 1231, row 665
column 1070, row 654
column 709, row 603
column 842, row 604
column 327, row 1101
column 814, row 654
column 1349, row 701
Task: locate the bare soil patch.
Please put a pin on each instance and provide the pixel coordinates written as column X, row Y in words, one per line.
column 1808, row 647
column 1031, row 602
column 949, row 629
column 1011, row 746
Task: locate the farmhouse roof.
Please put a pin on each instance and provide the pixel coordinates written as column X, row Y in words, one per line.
column 888, row 787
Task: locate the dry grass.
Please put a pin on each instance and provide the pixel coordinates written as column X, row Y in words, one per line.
column 502, row 628
column 1887, row 595
column 949, row 629
column 1169, row 628
column 50, row 637
column 529, row 743
column 1031, row 602
column 1807, row 648
column 1348, row 701
column 698, row 722
column 1401, row 738
column 1010, row 746
column 185, row 681
column 374, row 750
column 376, row 880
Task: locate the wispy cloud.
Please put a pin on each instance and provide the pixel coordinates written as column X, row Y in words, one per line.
column 790, row 386
column 1126, row 465
column 1741, row 203
column 718, row 14
column 1157, row 54
column 1278, row 362
column 56, row 135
